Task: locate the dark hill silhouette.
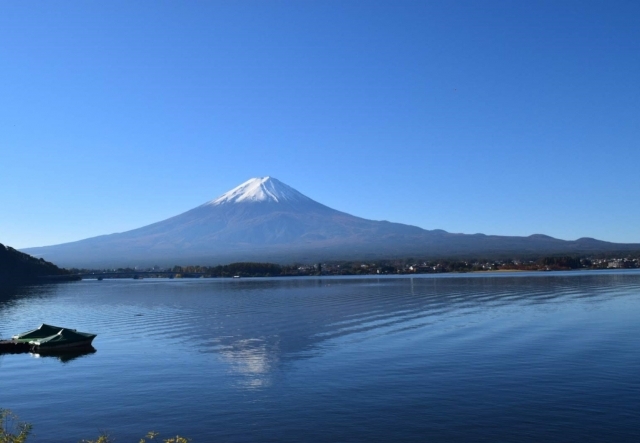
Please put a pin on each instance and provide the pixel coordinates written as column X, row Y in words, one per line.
column 18, row 267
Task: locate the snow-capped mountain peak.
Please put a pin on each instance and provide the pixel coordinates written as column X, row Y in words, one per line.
column 265, row 220
column 261, row 189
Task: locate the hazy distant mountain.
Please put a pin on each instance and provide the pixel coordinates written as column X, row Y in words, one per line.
column 263, row 219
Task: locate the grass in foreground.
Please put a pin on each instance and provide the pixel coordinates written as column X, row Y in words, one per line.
column 12, row 430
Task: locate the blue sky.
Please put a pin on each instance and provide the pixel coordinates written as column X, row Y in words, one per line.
column 508, row 118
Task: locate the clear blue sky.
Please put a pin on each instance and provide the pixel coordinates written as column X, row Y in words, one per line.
column 508, row 118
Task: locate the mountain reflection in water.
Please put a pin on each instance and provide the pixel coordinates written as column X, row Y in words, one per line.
column 482, row 357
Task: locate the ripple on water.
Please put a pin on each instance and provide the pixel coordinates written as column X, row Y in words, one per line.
column 456, row 358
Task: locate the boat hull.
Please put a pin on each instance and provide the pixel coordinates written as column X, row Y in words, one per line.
column 48, row 338
column 62, row 346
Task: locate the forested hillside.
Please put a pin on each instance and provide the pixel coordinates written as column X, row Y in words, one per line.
column 18, row 267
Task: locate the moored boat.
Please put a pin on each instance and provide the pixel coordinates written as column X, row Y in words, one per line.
column 42, row 331
column 64, row 339
column 48, row 338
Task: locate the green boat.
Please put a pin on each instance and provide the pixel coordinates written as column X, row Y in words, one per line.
column 49, row 337
column 43, row 331
column 64, row 339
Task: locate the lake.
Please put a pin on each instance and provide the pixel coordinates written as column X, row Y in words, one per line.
column 501, row 357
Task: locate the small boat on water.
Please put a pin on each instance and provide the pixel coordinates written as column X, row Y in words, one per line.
column 42, row 331
column 64, row 339
column 48, row 337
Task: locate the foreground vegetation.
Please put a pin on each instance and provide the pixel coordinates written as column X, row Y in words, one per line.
column 12, row 430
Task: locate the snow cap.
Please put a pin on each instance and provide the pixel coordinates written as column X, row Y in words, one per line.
column 261, row 189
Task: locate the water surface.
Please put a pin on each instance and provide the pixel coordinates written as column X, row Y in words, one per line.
column 526, row 357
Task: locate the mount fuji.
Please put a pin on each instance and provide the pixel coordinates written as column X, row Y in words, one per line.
column 264, row 219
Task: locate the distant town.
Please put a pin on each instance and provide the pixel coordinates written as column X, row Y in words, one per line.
column 383, row 267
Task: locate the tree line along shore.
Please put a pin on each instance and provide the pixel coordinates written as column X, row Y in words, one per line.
column 385, row 267
column 17, row 267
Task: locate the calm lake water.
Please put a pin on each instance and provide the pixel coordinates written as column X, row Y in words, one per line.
column 551, row 357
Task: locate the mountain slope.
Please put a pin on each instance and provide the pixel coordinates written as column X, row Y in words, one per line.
column 264, row 219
